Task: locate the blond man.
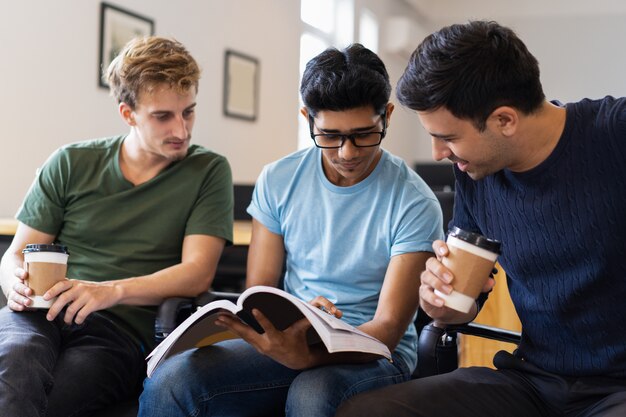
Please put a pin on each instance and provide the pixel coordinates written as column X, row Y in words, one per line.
column 145, row 216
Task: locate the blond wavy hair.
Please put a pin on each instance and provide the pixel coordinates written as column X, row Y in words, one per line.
column 146, row 62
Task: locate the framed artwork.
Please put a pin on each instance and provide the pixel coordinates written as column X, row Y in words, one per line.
column 117, row 27
column 241, row 85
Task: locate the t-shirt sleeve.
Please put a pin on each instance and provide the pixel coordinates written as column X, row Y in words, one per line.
column 44, row 205
column 212, row 213
column 418, row 227
column 261, row 206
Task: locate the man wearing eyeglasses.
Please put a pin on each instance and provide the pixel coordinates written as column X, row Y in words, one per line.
column 356, row 226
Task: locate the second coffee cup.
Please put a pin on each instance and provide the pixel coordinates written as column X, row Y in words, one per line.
column 471, row 259
column 46, row 265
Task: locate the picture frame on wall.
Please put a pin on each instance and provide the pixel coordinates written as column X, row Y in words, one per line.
column 241, row 85
column 117, row 27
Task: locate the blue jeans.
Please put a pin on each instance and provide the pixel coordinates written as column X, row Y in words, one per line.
column 52, row 369
column 232, row 379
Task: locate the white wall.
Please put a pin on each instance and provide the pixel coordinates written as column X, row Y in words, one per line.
column 50, row 95
column 578, row 43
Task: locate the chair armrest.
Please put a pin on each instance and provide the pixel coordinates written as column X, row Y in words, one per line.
column 170, row 314
column 487, row 332
column 175, row 310
column 436, row 352
column 437, row 347
column 217, row 295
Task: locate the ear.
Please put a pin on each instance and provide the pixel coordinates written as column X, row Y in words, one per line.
column 305, row 113
column 389, row 110
column 126, row 112
column 504, row 119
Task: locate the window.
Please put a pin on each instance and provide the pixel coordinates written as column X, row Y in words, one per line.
column 368, row 30
column 310, row 45
column 319, row 14
column 330, row 23
column 325, row 23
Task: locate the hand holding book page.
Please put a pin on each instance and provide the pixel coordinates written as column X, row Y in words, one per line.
column 282, row 309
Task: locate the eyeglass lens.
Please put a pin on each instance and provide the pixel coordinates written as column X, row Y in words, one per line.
column 358, row 139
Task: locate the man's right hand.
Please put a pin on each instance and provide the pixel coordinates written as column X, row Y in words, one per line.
column 437, row 277
column 18, row 297
column 12, row 273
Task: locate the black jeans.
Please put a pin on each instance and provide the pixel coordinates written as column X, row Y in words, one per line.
column 52, row 369
column 516, row 389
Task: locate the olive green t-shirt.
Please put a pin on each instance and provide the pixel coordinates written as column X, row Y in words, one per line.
column 116, row 230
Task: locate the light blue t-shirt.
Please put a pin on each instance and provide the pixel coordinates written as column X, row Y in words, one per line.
column 339, row 240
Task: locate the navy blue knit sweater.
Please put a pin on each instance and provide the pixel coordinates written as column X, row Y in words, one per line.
column 563, row 228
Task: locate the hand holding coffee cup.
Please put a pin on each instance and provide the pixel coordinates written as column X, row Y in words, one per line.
column 471, row 258
column 46, row 265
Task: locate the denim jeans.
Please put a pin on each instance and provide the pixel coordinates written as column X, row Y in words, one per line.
column 232, row 379
column 53, row 369
column 516, row 389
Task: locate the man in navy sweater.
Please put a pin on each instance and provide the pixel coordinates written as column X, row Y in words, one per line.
column 549, row 181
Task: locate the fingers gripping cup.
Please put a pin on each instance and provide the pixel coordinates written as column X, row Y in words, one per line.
column 471, row 259
column 46, row 265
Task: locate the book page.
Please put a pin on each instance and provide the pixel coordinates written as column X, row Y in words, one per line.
column 331, row 320
column 277, row 306
column 283, row 309
column 197, row 330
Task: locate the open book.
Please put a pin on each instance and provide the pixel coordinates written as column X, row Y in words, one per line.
column 281, row 308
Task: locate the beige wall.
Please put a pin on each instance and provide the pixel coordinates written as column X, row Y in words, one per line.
column 577, row 42
column 50, row 96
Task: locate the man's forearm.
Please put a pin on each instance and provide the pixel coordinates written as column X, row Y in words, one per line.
column 181, row 280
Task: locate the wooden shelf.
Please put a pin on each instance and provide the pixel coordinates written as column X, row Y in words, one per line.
column 8, row 227
column 242, row 230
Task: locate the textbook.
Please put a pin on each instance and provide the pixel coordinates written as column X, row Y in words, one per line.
column 281, row 308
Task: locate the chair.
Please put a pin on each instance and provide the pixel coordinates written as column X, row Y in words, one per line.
column 439, row 176
column 446, row 201
column 242, row 197
column 231, row 268
column 437, row 351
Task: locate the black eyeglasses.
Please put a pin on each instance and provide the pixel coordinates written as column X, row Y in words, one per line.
column 360, row 140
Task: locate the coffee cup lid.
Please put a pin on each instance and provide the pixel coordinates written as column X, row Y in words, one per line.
column 38, row 247
column 476, row 239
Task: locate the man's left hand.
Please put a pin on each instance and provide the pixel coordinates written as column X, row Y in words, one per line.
column 81, row 298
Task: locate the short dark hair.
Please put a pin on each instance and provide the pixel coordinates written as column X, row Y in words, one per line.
column 471, row 69
column 341, row 80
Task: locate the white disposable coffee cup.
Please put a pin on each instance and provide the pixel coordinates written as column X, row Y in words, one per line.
column 471, row 259
column 46, row 265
